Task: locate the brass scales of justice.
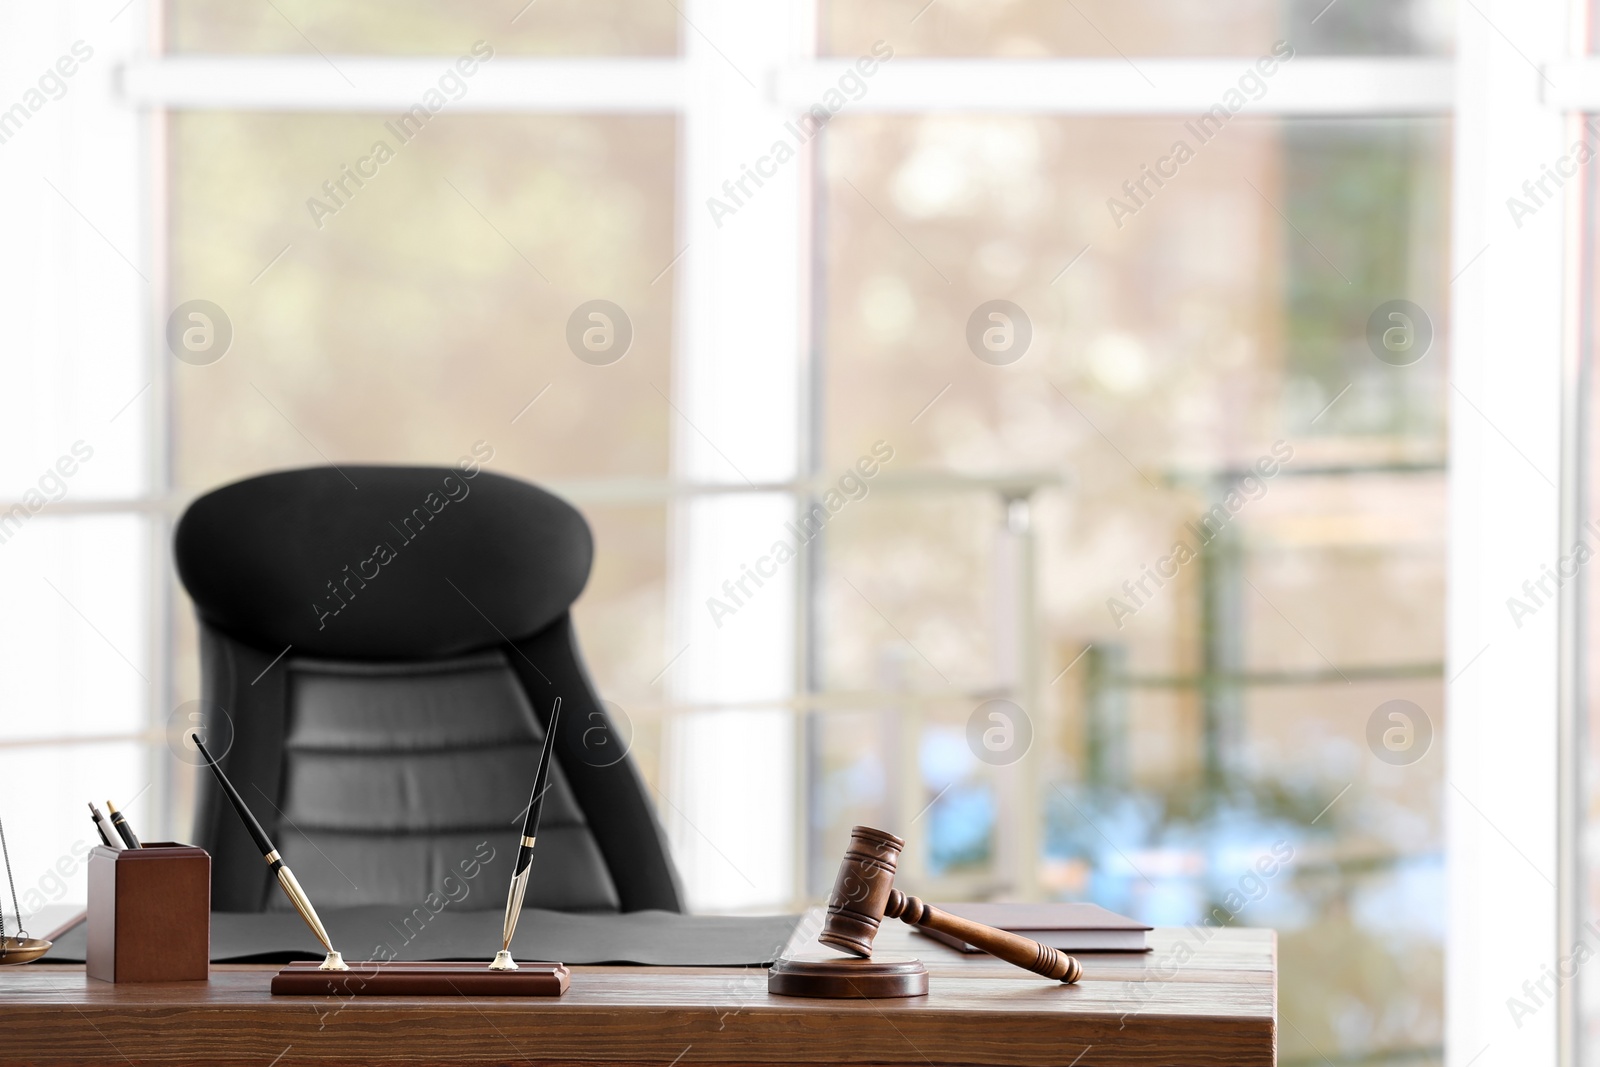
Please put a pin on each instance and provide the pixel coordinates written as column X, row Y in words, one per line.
column 17, row 948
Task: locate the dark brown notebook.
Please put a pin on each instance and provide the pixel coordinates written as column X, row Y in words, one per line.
column 1068, row 927
column 398, row 978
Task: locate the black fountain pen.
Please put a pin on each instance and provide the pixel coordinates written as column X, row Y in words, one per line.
column 286, row 878
column 530, row 828
column 120, row 823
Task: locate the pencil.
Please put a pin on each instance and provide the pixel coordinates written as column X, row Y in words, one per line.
column 108, row 836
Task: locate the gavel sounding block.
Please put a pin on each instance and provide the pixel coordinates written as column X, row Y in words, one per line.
column 403, row 979
column 826, row 974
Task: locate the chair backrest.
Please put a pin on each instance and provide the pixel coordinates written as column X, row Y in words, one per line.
column 380, row 651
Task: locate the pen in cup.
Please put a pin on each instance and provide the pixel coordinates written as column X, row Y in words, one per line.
column 108, row 835
column 120, row 822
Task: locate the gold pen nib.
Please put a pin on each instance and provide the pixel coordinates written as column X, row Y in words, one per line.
column 302, row 904
column 519, row 886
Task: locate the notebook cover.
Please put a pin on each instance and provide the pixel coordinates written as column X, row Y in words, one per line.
column 1053, row 924
column 1058, row 915
column 400, row 979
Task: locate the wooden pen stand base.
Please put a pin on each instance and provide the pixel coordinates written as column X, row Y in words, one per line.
column 373, row 978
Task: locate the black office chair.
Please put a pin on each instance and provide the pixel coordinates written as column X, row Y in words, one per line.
column 380, row 648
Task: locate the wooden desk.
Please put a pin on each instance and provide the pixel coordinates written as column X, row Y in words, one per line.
column 1218, row 1007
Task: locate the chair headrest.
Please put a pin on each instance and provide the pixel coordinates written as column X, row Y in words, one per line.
column 377, row 562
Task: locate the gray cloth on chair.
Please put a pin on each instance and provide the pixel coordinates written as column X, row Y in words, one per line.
column 653, row 938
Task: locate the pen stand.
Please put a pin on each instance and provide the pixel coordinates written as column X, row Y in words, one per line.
column 149, row 914
column 398, row 978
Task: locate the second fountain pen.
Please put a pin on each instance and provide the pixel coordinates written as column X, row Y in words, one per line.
column 530, row 829
column 286, row 878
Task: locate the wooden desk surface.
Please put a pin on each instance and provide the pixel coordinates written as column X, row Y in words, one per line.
column 1217, row 1006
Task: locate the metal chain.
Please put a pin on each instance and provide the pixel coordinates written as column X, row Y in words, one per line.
column 6, row 849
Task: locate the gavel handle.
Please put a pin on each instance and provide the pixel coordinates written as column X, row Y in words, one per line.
column 1013, row 948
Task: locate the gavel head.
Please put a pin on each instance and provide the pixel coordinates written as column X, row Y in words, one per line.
column 861, row 892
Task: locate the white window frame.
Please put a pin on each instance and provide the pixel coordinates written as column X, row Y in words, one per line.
column 1514, row 87
column 1513, row 769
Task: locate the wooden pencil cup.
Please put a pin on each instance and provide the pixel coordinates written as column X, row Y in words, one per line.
column 149, row 914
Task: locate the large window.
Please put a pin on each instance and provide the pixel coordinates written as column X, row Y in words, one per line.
column 1186, row 721
column 1155, row 402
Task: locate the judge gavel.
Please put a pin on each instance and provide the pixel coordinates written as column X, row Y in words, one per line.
column 864, row 895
